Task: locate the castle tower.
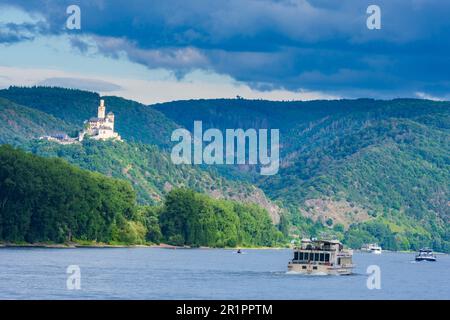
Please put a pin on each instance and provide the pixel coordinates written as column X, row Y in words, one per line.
column 110, row 117
column 101, row 109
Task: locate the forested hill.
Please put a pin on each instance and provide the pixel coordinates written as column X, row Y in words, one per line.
column 148, row 167
column 49, row 201
column 287, row 115
column 150, row 171
column 18, row 124
column 137, row 121
column 364, row 170
column 379, row 169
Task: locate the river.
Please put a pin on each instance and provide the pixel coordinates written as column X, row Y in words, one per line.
column 154, row 273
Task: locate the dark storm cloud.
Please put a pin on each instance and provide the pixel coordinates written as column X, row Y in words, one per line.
column 319, row 45
column 16, row 32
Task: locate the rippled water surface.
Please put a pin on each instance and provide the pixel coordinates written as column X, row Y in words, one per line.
column 151, row 273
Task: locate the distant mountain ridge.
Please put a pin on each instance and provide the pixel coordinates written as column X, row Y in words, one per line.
column 367, row 170
column 137, row 121
column 147, row 167
column 22, row 123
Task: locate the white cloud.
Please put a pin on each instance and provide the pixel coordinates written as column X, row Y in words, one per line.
column 80, row 83
column 170, row 58
column 9, row 14
column 423, row 95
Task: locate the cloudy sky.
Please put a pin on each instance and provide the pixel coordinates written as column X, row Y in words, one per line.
column 154, row 51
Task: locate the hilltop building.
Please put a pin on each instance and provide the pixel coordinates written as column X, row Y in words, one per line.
column 100, row 127
column 60, row 138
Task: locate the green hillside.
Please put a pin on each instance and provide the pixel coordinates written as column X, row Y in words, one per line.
column 150, row 171
column 398, row 176
column 360, row 170
column 48, row 200
column 350, row 164
column 189, row 218
column 147, row 167
column 18, row 124
column 137, row 122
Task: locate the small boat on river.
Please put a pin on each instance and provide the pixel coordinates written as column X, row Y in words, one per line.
column 425, row 254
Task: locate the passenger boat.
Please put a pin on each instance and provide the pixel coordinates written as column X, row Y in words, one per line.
column 425, row 254
column 321, row 257
column 372, row 248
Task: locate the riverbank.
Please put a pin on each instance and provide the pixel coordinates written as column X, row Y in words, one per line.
column 73, row 245
column 85, row 245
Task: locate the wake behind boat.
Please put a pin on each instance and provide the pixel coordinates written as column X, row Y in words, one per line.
column 321, row 257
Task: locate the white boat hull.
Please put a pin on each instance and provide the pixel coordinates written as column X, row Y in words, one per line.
column 319, row 269
column 432, row 259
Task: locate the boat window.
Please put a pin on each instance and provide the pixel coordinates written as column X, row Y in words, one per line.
column 322, row 257
column 339, row 261
column 295, row 255
column 301, row 256
column 316, row 257
column 327, row 257
column 306, row 256
column 303, row 267
column 314, row 268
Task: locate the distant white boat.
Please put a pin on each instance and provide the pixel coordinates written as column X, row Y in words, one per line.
column 372, row 248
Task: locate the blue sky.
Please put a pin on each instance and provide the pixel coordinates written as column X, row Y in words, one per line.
column 156, row 51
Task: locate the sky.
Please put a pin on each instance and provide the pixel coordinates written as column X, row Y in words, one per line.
column 164, row 50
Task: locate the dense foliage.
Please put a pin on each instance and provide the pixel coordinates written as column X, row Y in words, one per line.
column 18, row 124
column 149, row 170
column 389, row 158
column 137, row 122
column 189, row 218
column 48, row 200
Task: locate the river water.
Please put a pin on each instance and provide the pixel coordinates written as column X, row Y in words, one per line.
column 153, row 273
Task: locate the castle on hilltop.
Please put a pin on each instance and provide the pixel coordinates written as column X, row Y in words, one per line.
column 97, row 128
column 100, row 127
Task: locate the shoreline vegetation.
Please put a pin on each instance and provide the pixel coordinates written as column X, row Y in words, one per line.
column 162, row 246
column 75, row 245
column 49, row 201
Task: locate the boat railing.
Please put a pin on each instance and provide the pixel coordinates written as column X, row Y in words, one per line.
column 314, row 263
column 316, row 249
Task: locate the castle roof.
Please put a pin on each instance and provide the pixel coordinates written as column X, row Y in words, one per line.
column 95, row 119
